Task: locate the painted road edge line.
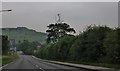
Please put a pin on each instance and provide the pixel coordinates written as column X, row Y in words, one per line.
column 73, row 65
column 3, row 66
column 62, row 64
column 6, row 64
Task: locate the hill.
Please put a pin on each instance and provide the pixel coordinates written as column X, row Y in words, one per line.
column 23, row 33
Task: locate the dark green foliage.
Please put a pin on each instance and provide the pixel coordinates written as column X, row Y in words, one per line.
column 23, row 33
column 5, row 45
column 64, row 45
column 27, row 47
column 112, row 45
column 89, row 45
column 97, row 44
column 59, row 50
column 58, row 30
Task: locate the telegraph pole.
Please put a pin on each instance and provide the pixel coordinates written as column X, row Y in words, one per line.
column 59, row 18
column 119, row 14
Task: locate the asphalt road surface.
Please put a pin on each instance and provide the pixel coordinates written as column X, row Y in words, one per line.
column 28, row 63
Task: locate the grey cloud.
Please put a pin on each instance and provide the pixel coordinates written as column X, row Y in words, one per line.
column 37, row 15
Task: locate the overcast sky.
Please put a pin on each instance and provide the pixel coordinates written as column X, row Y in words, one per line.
column 37, row 15
column 60, row 0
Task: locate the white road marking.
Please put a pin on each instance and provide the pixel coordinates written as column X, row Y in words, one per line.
column 7, row 64
column 41, row 69
column 37, row 66
column 3, row 66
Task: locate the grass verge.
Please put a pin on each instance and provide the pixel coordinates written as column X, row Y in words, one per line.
column 115, row 66
column 0, row 60
column 9, row 58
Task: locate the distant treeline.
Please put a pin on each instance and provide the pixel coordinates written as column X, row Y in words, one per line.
column 20, row 34
column 25, row 46
column 97, row 44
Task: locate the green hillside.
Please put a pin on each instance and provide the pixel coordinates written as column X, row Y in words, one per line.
column 23, row 33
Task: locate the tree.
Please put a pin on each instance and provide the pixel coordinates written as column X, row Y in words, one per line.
column 89, row 45
column 26, row 47
column 57, row 51
column 64, row 45
column 5, row 44
column 58, row 30
column 112, row 45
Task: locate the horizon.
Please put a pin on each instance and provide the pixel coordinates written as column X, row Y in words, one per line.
column 46, row 32
column 21, row 27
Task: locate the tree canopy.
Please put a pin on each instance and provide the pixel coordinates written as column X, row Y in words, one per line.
column 58, row 30
column 5, row 44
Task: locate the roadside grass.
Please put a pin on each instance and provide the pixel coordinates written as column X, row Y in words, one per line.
column 9, row 58
column 115, row 66
column 0, row 60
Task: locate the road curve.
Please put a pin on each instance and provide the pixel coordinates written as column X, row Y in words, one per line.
column 26, row 62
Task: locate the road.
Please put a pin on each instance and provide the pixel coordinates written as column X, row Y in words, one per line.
column 29, row 63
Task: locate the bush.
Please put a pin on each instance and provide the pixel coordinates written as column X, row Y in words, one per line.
column 97, row 44
column 89, row 45
column 112, row 45
column 57, row 51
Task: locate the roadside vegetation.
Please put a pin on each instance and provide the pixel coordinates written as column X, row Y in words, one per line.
column 7, row 57
column 0, row 60
column 96, row 45
column 28, row 47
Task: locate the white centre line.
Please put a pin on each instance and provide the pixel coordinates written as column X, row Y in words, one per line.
column 41, row 69
column 37, row 66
